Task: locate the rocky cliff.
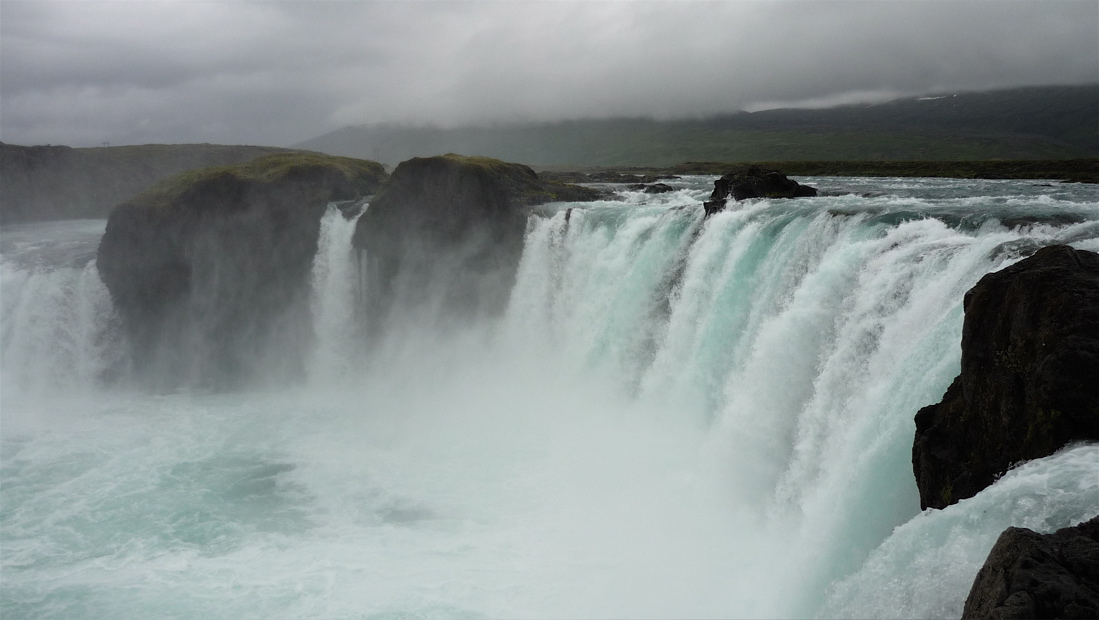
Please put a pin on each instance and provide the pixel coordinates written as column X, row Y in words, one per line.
column 59, row 182
column 209, row 269
column 448, row 231
column 1028, row 575
column 1029, row 382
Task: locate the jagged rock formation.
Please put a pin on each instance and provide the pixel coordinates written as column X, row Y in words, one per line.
column 210, row 268
column 1029, row 382
column 754, row 182
column 1028, row 575
column 60, row 182
column 449, row 230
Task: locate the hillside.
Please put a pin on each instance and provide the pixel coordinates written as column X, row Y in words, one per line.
column 1026, row 123
column 1072, row 170
column 60, row 182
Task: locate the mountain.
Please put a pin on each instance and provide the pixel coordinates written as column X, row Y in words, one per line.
column 1054, row 122
column 60, row 182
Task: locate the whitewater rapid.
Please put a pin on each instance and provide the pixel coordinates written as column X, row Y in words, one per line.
column 674, row 417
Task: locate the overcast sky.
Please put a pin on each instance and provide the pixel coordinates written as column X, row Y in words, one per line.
column 275, row 73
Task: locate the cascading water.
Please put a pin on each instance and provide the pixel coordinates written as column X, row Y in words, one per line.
column 59, row 331
column 334, row 297
column 674, row 417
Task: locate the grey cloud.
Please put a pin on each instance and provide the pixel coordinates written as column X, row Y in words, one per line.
column 279, row 72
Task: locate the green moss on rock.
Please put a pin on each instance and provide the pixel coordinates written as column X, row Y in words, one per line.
column 322, row 177
column 58, row 182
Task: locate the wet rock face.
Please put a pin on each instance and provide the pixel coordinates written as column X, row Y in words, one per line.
column 1028, row 575
column 754, row 182
column 448, row 231
column 654, row 188
column 1029, row 382
column 659, row 188
column 210, row 269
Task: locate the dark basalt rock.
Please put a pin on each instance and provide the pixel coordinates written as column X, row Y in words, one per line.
column 1028, row 575
column 654, row 188
column 449, row 230
column 659, row 188
column 210, row 269
column 754, row 182
column 1029, row 382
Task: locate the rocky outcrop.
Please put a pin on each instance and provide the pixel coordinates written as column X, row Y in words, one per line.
column 449, row 230
column 1029, row 381
column 1028, row 575
column 654, row 188
column 59, row 182
column 209, row 269
column 754, row 182
column 659, row 188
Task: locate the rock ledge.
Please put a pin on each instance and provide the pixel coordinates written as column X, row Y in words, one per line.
column 1028, row 575
column 1029, row 381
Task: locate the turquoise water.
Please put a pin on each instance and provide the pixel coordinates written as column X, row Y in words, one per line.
column 673, row 418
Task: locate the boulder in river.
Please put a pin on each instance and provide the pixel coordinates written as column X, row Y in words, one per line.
column 659, row 188
column 754, row 182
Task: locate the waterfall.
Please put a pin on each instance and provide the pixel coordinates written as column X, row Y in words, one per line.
column 674, row 416
column 58, row 330
column 802, row 340
column 334, row 297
